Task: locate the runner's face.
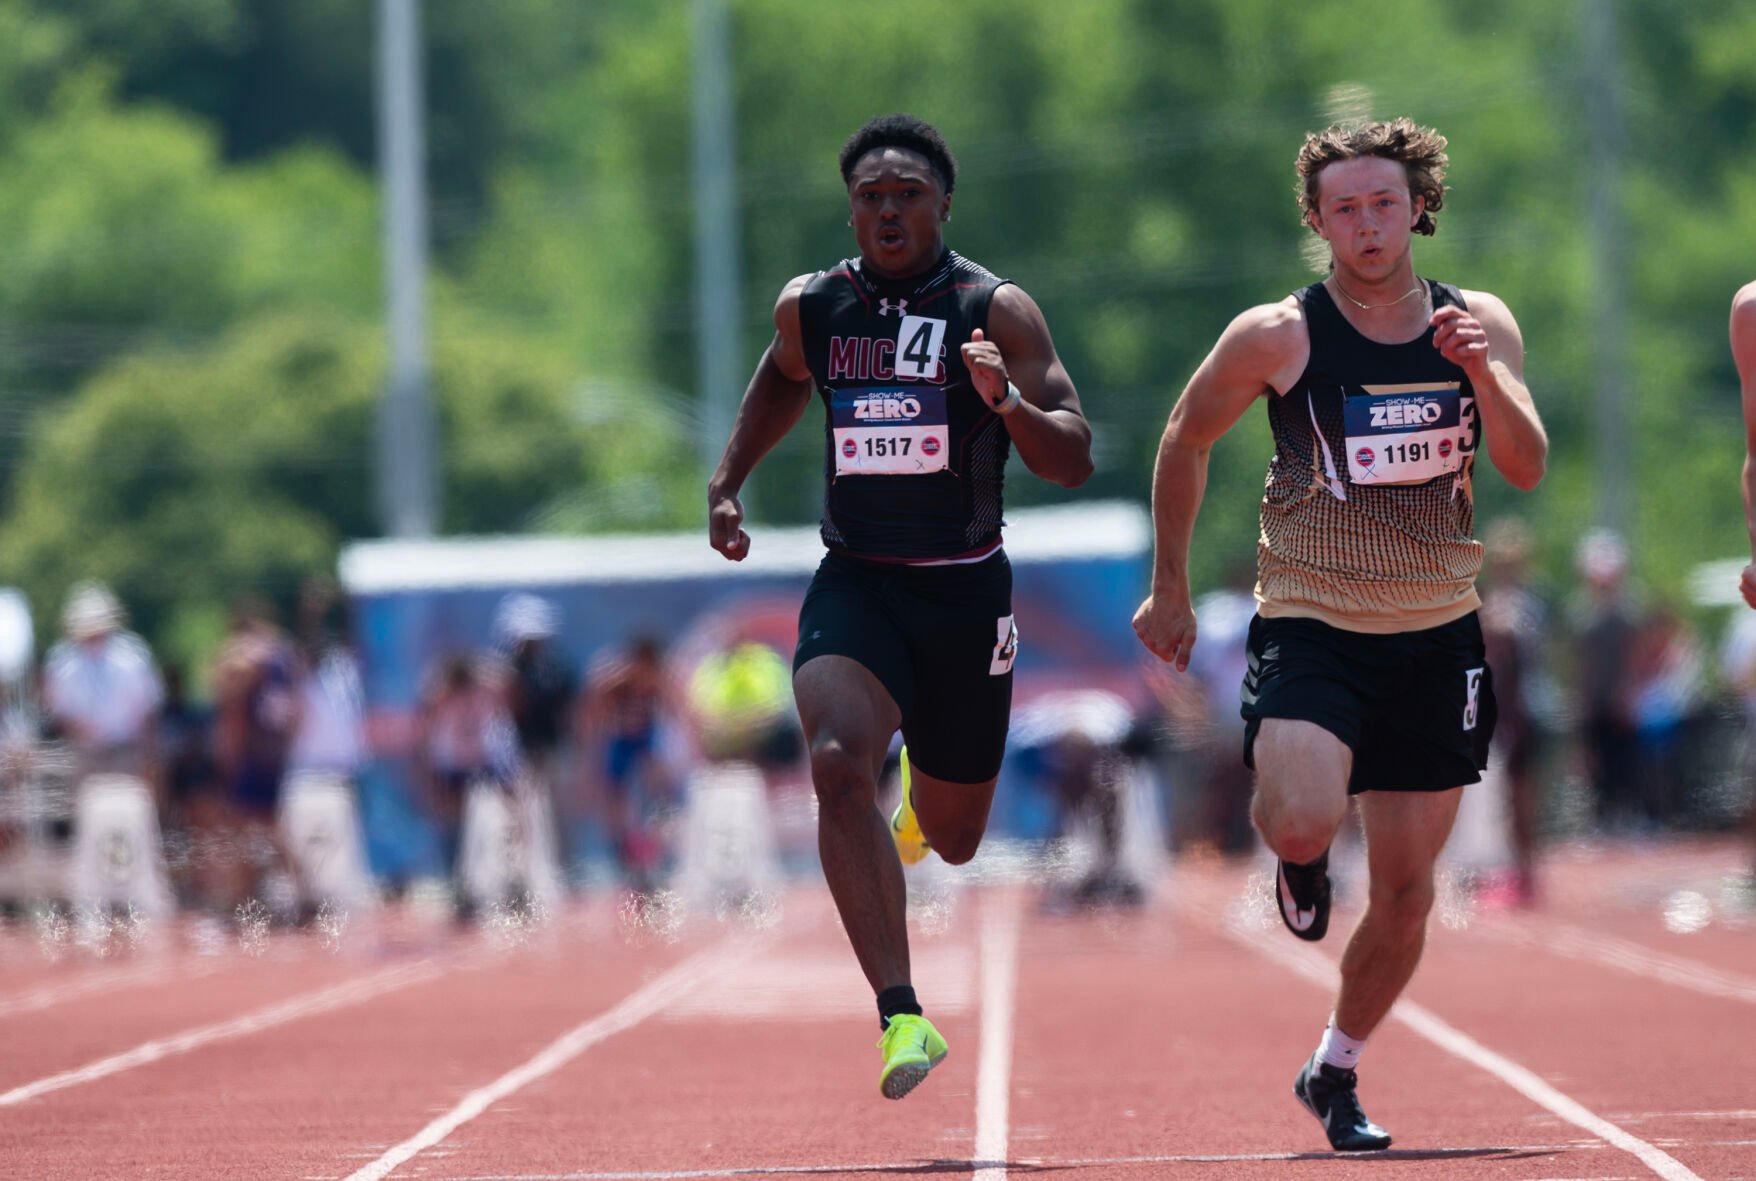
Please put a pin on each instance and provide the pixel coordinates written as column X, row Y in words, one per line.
column 1366, row 214
column 898, row 207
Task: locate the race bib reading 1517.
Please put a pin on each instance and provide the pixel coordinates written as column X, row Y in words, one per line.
column 1407, row 434
column 889, row 430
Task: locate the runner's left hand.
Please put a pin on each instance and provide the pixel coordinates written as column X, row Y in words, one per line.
column 987, row 368
column 1461, row 339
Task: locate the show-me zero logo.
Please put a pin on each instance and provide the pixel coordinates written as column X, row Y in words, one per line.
column 1364, row 457
column 1444, row 448
column 886, row 407
column 849, row 448
column 1406, row 412
column 929, row 445
column 885, row 307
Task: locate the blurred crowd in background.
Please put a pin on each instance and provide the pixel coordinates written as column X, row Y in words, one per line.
column 231, row 789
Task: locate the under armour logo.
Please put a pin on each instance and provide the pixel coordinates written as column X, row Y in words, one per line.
column 885, row 307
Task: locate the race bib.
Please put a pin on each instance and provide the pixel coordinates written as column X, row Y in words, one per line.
column 889, row 431
column 1407, row 434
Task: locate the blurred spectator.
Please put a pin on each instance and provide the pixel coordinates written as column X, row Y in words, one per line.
column 1514, row 623
column 330, row 736
column 257, row 713
column 465, row 740
column 1222, row 620
column 1086, row 743
column 195, row 807
column 101, row 690
column 102, row 693
column 540, row 687
column 1667, row 672
column 1738, row 675
column 627, row 699
column 1604, row 647
column 318, row 819
column 741, row 700
column 1089, row 777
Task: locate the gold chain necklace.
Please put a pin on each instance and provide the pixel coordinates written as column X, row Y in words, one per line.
column 1417, row 289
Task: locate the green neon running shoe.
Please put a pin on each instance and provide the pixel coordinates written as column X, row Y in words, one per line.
column 905, row 826
column 911, row 1047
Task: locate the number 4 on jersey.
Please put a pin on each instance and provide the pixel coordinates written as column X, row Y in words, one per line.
column 919, row 342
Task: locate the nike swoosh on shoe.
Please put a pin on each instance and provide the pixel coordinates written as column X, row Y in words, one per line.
column 1301, row 920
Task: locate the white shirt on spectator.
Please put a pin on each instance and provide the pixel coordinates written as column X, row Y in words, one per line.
column 331, row 733
column 109, row 689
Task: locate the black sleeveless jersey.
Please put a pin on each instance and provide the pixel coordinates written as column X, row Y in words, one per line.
column 914, row 457
column 1368, row 511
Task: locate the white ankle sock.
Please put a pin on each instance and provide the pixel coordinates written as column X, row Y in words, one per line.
column 1338, row 1049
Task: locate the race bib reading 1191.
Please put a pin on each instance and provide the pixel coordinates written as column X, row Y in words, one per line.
column 889, row 430
column 1406, row 434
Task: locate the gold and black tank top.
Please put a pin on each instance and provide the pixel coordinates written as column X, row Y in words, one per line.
column 1368, row 513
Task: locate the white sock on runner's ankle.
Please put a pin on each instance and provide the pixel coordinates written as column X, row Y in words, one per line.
column 1338, row 1049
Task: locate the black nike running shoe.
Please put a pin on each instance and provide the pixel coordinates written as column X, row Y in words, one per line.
column 1329, row 1094
column 1303, row 894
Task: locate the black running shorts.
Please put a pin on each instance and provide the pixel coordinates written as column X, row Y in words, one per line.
column 1416, row 708
column 939, row 638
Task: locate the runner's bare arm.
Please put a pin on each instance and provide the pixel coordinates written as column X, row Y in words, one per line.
column 1260, row 352
column 1743, row 331
column 1486, row 343
column 773, row 403
column 1047, row 425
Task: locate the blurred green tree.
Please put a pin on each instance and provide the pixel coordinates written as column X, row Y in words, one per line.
column 187, row 477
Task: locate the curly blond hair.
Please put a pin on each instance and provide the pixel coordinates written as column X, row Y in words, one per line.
column 1420, row 151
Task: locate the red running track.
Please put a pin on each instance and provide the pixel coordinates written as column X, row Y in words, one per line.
column 1608, row 1033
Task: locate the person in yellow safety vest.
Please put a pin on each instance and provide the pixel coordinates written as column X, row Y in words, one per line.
column 742, row 701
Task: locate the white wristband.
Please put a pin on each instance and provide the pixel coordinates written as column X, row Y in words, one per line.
column 1010, row 402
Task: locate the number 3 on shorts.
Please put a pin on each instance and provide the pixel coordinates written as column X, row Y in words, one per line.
column 1005, row 646
column 1472, row 685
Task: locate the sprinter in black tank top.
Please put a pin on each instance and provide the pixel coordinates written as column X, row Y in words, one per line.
column 914, row 459
column 1366, row 671
column 931, row 370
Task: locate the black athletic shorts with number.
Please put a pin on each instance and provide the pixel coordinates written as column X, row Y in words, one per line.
column 941, row 640
column 1416, row 708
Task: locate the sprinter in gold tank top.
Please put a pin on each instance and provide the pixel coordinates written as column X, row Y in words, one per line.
column 1366, row 674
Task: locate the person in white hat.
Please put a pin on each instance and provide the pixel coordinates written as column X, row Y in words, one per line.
column 103, row 694
column 102, row 688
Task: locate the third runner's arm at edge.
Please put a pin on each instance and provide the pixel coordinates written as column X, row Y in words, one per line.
column 1047, row 426
column 773, row 403
column 1485, row 342
column 1744, row 357
column 1260, row 352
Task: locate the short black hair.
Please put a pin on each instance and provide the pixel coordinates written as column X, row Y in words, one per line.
column 901, row 131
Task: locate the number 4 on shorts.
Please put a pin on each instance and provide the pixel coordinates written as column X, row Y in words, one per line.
column 1005, row 646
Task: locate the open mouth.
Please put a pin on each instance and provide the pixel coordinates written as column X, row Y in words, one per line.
column 892, row 238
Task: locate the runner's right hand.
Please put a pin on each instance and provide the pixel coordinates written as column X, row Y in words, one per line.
column 1747, row 584
column 725, row 526
column 1166, row 625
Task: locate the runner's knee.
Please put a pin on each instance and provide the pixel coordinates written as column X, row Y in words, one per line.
column 1298, row 830
column 840, row 775
column 1403, row 904
column 956, row 847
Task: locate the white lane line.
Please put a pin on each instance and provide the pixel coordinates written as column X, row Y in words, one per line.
column 1000, row 922
column 1319, row 968
column 631, row 1011
column 336, row 997
column 1488, row 1152
column 1576, row 943
column 44, row 996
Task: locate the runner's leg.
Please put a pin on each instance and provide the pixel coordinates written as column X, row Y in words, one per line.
column 848, row 719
